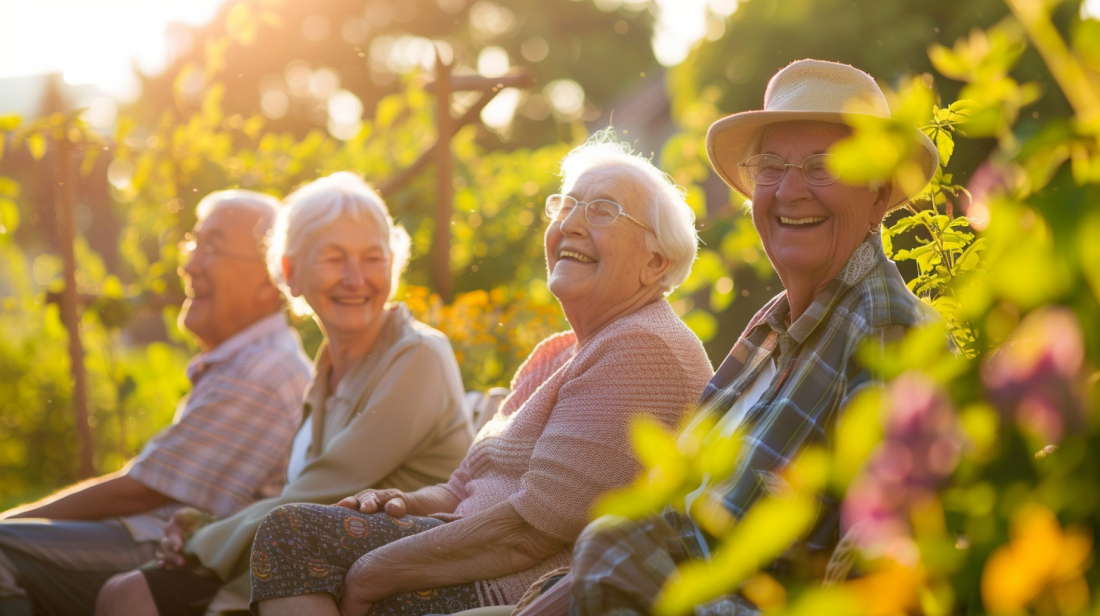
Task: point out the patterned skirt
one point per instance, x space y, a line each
303 548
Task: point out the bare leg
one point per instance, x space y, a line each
126 594
317 604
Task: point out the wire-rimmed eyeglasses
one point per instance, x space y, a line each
598 213
190 248
769 169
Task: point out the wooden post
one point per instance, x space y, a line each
64 201
445 83
444 169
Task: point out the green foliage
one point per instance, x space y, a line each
133 391
880 149
983 61
675 465
758 538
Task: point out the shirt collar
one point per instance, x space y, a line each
267 326
865 258
398 317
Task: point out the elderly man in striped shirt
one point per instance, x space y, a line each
226 448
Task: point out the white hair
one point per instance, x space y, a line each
265 206
313 208
673 222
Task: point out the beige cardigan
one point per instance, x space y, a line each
397 422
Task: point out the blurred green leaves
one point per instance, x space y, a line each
9 209
765 532
880 149
858 432
983 61
674 466
883 148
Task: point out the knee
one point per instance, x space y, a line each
291 514
125 594
283 517
286 512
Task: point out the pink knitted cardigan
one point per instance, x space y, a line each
560 440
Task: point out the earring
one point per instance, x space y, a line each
876 229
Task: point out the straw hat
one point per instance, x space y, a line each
810 90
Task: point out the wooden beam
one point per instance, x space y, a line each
515 78
393 184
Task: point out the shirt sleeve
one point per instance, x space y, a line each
585 449
232 436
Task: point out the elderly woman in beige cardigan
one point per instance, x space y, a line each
620 238
384 410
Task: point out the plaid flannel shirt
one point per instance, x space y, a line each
816 375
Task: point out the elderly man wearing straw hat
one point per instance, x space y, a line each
793 369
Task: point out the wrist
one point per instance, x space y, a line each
201 521
431 499
414 503
365 576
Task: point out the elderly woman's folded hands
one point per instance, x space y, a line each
425 501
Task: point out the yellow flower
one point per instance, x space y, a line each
1039 556
765 592
892 590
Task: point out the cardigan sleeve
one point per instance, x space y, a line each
585 449
414 411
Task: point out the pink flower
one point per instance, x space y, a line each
921 446
1035 377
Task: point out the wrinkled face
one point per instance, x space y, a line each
810 231
225 278
594 268
344 276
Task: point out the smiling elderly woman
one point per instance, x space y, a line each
384 409
620 238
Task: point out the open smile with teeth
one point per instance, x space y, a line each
569 254
800 222
350 301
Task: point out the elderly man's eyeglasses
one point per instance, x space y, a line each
598 213
190 248
769 169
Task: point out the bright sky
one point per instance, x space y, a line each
92 40
95 41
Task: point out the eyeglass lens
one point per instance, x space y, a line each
768 169
599 212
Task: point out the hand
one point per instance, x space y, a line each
393 502
355 601
180 527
